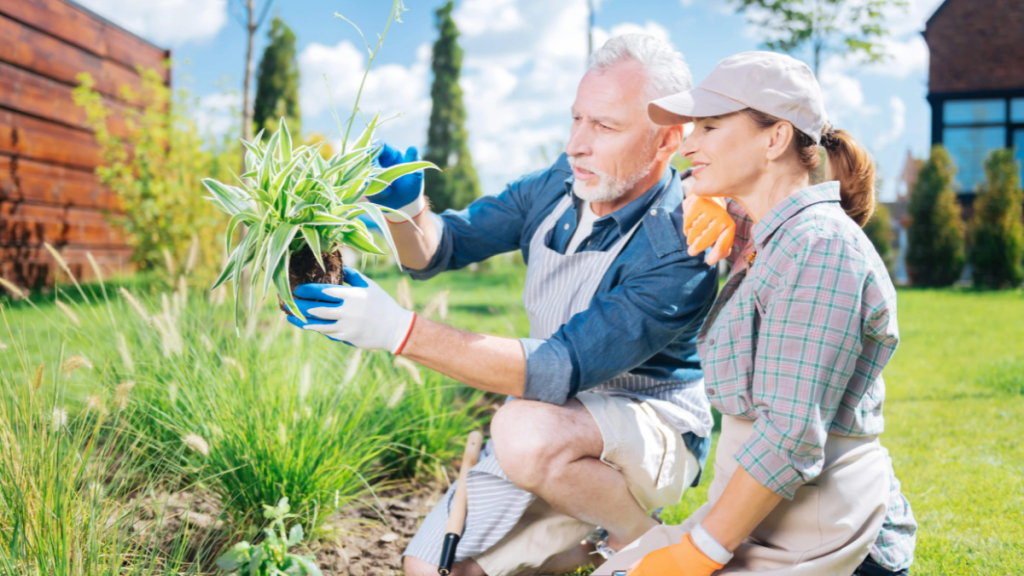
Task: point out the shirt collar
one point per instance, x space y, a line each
627 216
791 206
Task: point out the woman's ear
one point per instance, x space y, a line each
779 137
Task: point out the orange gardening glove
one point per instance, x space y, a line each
683 559
706 223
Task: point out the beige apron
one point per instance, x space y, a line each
826 529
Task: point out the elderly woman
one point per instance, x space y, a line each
794 347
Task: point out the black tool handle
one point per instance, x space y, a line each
451 542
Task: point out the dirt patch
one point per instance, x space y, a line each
361 540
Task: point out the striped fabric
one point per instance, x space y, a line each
557 287
797 341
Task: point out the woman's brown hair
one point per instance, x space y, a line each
848 162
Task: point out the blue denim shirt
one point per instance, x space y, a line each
646 313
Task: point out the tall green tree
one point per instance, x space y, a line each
997 235
843 27
456 185
277 82
935 238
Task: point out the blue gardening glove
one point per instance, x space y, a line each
406 193
360 314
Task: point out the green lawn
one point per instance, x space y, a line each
955 406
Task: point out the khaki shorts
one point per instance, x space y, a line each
639 443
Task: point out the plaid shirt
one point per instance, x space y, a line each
797 341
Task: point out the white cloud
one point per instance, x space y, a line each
897 124
390 89
475 17
218 113
165 22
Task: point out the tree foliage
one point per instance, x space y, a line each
277 82
935 238
155 166
843 27
879 230
447 139
997 235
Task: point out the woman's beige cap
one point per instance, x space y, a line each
772 83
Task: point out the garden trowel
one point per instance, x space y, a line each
457 512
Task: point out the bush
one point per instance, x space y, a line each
997 235
935 239
155 167
879 230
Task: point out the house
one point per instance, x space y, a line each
976 84
49 191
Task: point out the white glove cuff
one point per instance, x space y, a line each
412 209
709 545
402 336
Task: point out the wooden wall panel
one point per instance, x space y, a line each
30 137
76 26
23 224
23 180
33 50
40 96
49 191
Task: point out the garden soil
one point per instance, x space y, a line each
366 539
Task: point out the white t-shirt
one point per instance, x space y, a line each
583 229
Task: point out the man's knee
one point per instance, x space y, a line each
533 440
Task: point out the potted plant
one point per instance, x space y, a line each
299 209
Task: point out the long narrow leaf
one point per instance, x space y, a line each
313 241
367 134
279 242
385 178
285 145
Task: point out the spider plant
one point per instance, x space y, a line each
298 209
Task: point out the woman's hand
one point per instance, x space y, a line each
683 559
707 223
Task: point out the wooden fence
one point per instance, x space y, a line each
49 191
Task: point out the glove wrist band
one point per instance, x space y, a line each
405 340
710 546
412 210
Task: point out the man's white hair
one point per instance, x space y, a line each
667 72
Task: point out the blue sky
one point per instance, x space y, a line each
523 59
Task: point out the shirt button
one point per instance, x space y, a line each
711 391
711 342
654 212
567 226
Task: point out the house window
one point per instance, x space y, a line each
972 128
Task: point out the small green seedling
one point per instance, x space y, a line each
271 557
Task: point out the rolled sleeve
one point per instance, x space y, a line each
442 255
549 370
810 339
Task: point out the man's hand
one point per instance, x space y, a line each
406 193
707 223
361 314
683 559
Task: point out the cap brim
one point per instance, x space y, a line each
685 106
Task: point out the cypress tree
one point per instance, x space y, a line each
277 82
997 235
935 238
447 140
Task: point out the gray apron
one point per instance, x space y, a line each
558 286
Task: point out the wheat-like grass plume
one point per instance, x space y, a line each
136 305
197 443
410 367
13 289
126 354
68 312
404 295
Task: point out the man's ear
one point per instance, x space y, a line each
779 138
670 141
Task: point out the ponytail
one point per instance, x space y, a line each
848 162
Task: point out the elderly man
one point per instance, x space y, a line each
611 419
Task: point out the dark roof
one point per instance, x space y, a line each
936 13
112 24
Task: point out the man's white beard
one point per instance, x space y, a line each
608 187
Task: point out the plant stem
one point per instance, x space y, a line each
395 7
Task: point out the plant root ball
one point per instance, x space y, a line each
304 269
